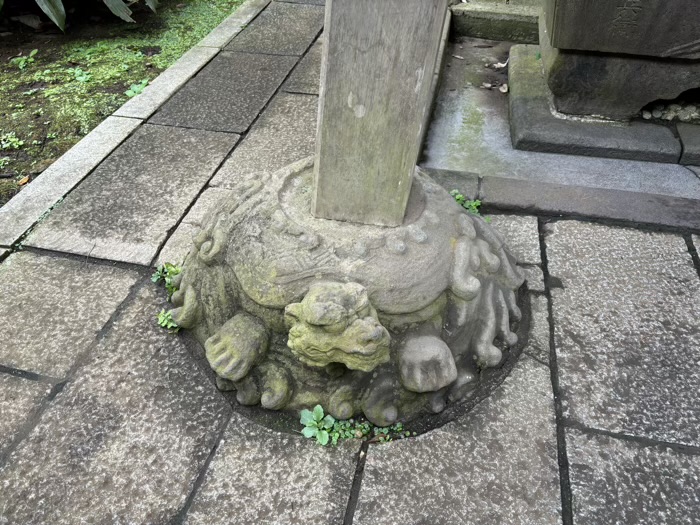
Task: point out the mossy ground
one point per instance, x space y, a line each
78 79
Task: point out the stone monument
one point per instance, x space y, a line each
601 66
613 58
351 279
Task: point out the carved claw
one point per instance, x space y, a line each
237 346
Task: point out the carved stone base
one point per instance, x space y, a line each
295 311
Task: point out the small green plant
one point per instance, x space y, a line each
80 75
166 273
317 425
165 320
10 141
51 136
23 61
4 162
472 206
135 89
325 429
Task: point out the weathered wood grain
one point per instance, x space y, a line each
378 66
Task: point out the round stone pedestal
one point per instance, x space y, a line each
295 311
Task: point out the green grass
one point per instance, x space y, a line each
75 81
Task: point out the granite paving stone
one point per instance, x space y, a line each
538 342
618 481
627 337
124 210
52 309
19 400
495 465
316 2
28 206
306 77
228 94
265 477
281 29
521 235
231 26
168 82
126 439
285 133
534 277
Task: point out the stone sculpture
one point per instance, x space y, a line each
295 310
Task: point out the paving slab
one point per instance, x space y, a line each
126 439
285 133
521 235
534 277
108 217
534 127
167 83
265 477
19 401
180 242
281 29
538 341
52 309
495 465
228 94
470 133
617 481
315 2
306 77
29 205
626 330
231 26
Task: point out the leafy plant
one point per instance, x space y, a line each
325 429
166 273
4 161
80 75
135 89
23 61
165 320
472 206
10 141
316 425
56 12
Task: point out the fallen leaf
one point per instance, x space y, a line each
503 88
500 65
457 56
486 85
23 181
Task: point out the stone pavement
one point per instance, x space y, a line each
107 418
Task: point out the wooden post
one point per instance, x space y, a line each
378 63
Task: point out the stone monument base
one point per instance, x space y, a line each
391 322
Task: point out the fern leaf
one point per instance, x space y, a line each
153 4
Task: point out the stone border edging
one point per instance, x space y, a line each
30 205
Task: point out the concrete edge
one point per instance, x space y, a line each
26 208
188 65
534 128
530 197
689 135
493 23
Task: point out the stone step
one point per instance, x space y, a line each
515 21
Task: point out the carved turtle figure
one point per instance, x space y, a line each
294 310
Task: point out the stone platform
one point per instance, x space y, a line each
108 418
